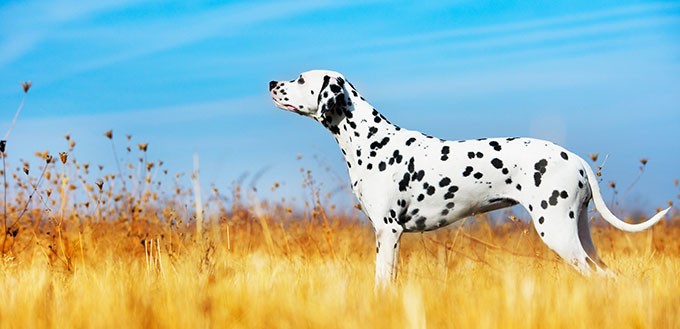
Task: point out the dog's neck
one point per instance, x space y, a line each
359 130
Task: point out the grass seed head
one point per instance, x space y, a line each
109 134
26 85
643 161
593 156
63 156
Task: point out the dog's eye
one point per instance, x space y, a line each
301 80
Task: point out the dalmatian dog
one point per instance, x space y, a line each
407 181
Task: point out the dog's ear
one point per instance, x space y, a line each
332 96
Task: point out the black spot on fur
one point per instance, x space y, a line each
420 223
541 165
544 204
519 187
537 179
410 140
403 184
540 220
564 156
468 171
430 190
495 145
478 175
372 131
445 181
553 198
564 195
571 214
497 163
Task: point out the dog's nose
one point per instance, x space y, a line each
272 85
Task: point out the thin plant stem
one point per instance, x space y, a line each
4 184
30 197
16 115
3 143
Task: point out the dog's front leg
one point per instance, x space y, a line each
388 241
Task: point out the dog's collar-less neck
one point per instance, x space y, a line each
358 128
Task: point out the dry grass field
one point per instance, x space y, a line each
127 251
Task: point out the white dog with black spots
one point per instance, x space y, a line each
407 181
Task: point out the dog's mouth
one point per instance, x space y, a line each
285 106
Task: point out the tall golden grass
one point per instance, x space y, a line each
87 249
124 252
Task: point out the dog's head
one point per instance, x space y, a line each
312 94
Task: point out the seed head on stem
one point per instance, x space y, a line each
26 85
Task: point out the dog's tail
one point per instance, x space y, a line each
607 215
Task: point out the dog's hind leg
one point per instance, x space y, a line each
587 241
561 234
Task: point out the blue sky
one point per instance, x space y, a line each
594 76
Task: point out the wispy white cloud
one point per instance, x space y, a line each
149 36
553 36
542 40
23 25
582 19
155 36
613 66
